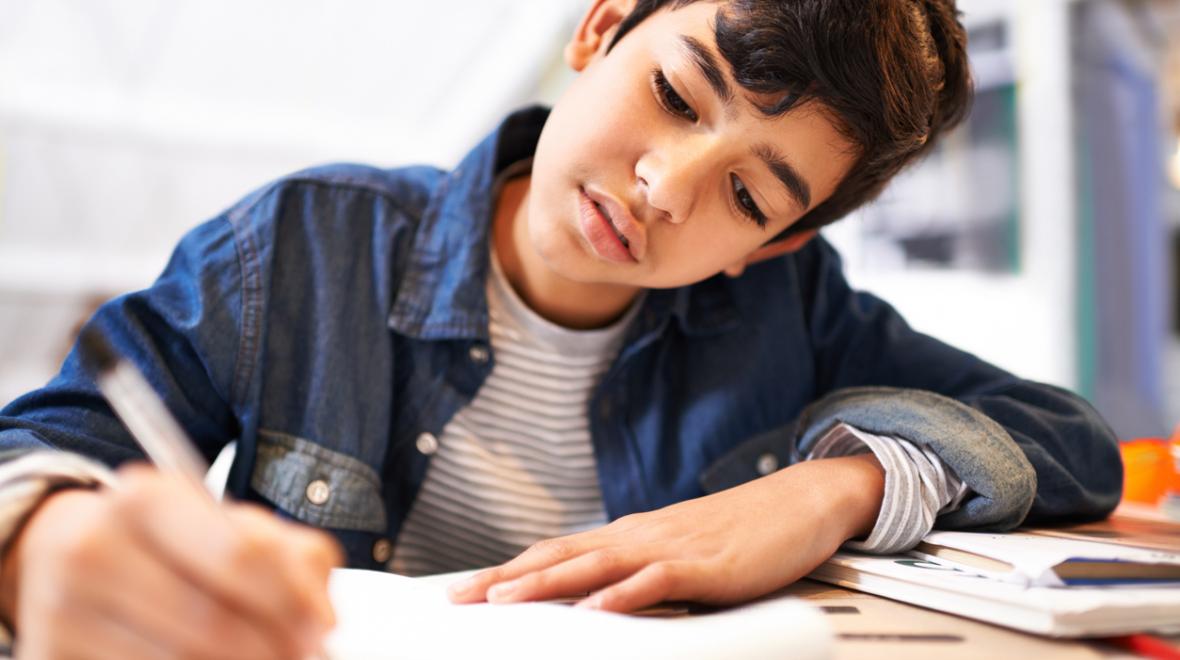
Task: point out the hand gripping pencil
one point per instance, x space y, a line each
144 414
141 410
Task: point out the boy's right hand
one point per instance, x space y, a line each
157 569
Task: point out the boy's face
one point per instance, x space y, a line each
644 176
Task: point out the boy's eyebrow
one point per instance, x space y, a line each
786 173
707 65
779 166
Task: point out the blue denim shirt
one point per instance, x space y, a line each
330 319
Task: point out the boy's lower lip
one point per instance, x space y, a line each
600 233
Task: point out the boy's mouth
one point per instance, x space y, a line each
623 239
617 223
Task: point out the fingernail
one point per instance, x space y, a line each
462 587
502 591
590 603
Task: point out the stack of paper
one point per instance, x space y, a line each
1007 589
1035 560
381 615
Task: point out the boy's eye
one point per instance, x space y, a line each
745 201
676 105
671 101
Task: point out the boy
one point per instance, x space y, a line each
615 311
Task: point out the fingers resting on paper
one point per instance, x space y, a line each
723 548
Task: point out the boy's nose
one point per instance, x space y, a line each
674 179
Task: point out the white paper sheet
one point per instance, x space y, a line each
381 615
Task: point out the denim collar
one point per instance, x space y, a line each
442 294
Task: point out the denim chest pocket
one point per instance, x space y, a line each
316 485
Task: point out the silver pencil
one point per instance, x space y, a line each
140 409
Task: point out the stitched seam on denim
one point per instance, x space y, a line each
250 290
250 285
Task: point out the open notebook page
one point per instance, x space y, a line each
381 615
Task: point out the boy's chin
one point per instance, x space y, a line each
587 270
573 262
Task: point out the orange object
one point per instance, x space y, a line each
1174 484
1149 470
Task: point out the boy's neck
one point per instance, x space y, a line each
568 303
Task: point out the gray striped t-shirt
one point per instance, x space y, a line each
516 465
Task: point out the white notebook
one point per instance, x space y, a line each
1061 612
1039 561
381 615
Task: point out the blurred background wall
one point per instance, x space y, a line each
1042 236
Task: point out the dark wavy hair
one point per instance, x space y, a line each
892 74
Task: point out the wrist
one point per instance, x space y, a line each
13 554
854 488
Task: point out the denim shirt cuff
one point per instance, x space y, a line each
1001 478
978 449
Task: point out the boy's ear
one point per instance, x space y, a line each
595 30
778 248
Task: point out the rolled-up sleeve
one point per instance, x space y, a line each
918 487
1027 451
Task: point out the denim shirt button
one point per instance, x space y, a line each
427 443
478 354
382 551
318 491
767 463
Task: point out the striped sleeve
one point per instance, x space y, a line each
26 481
918 487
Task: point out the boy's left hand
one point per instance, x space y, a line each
723 548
